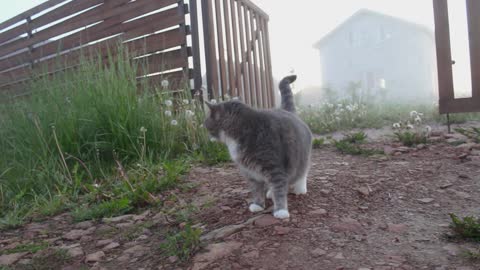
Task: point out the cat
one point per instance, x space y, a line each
270 147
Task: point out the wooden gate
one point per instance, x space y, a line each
448 103
237 51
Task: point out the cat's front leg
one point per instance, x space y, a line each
279 189
258 195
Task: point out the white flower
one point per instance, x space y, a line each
213 101
418 120
168 113
235 98
96 185
212 139
413 114
396 125
201 125
143 129
409 126
186 101
168 102
174 122
227 97
428 129
164 83
189 113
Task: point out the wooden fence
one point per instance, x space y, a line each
237 51
448 103
57 34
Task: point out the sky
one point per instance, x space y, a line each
296 25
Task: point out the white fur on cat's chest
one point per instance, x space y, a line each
235 154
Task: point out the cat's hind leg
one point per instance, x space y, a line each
300 186
279 189
258 195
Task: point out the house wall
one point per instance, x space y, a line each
371 48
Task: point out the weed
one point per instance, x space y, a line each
351 144
49 259
466 228
409 138
183 244
472 133
31 248
318 142
472 255
411 132
357 137
104 209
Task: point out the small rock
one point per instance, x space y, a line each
101 243
136 251
223 232
84 225
318 212
75 252
112 245
318 252
339 256
173 259
461 194
446 185
388 150
421 146
95 257
363 190
452 249
74 234
397 228
463 176
466 146
325 191
215 252
426 200
9 259
124 225
266 220
252 254
117 219
281 230
160 218
142 237
347 225
141 216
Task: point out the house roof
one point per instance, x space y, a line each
366 12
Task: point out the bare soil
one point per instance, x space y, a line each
381 212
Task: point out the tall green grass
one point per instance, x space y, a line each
76 128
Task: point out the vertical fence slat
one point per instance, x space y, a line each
238 74
197 65
254 43
221 48
228 36
210 49
246 86
269 63
248 39
264 87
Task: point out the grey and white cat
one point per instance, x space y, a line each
271 147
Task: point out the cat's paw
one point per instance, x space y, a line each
269 194
299 189
281 214
255 208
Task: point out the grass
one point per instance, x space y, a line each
88 141
352 144
410 138
182 244
318 142
50 259
31 248
467 228
472 133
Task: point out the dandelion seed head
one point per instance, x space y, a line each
174 122
168 113
164 83
168 102
143 129
213 101
186 101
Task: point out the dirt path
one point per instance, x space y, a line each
360 213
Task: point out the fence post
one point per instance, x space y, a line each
209 41
197 65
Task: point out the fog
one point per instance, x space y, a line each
296 26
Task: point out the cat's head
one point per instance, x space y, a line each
222 116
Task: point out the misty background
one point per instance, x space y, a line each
296 27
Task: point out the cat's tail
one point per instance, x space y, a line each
287 95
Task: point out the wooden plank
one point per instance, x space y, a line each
89 17
444 57
164 19
151 44
258 89
197 64
251 79
238 74
177 80
246 85
250 5
209 44
228 37
269 63
221 48
473 12
161 62
49 17
461 105
263 80
30 12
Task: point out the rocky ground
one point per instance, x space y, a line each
380 212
